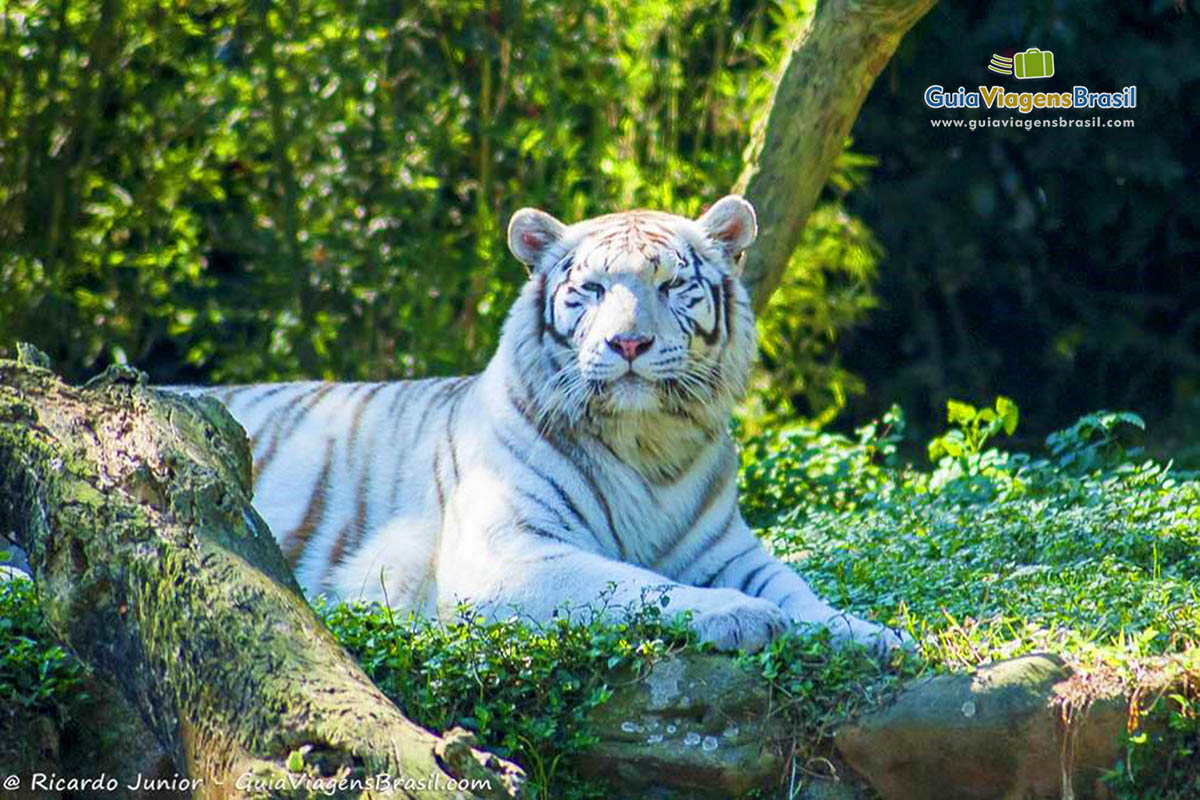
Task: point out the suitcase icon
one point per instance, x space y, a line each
1033 63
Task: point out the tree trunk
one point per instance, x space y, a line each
150 563
824 82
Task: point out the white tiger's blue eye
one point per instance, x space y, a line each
674 283
594 288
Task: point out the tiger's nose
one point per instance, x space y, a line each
630 345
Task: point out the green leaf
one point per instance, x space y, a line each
959 413
1009 412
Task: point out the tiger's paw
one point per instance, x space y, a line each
739 623
878 639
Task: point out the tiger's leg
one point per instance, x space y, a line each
741 562
539 577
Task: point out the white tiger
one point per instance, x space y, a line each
589 460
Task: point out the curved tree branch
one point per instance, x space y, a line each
824 82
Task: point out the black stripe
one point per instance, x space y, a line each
308 400
402 389
355 416
786 597
393 424
447 386
763 587
541 306
711 337
274 390
713 490
522 408
558 489
523 527
437 481
727 286
296 541
552 329
276 415
540 531
712 579
541 504
746 580
708 542
451 416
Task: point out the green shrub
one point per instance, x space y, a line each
526 689
224 191
36 674
1091 551
988 553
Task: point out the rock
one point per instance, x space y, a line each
997 733
697 726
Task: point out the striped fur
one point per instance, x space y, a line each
566 471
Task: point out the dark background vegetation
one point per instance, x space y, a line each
233 191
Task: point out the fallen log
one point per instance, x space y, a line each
133 506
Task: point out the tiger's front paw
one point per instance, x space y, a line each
739 623
880 640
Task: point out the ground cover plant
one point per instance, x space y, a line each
1091 551
1088 549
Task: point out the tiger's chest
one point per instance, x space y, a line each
653 510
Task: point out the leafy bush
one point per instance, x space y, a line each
990 553
36 674
226 191
526 689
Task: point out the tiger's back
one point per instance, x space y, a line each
336 464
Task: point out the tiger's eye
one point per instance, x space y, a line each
594 288
674 283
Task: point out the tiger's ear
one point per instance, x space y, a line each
731 224
531 233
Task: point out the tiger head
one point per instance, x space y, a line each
637 314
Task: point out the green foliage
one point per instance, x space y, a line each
973 427
1093 443
827 289
818 686
1162 760
965 552
227 191
1090 552
526 689
36 674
